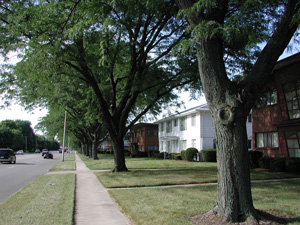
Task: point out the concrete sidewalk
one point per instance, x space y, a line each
93 204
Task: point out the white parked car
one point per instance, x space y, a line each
20 152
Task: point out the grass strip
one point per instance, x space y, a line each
46 200
176 205
106 162
68 164
204 174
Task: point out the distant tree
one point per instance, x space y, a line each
227 36
6 137
17 134
27 134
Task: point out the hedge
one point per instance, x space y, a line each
175 156
190 154
264 162
209 155
292 165
183 154
254 156
277 165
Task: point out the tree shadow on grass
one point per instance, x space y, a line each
277 218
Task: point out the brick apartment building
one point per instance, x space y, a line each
143 138
276 119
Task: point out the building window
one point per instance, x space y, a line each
169 126
183 123
175 123
249 144
183 145
250 118
292 97
193 120
268 98
152 132
293 143
142 133
152 148
267 140
194 143
162 127
169 146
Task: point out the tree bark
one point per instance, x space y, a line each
229 117
119 155
234 188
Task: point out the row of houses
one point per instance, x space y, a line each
273 127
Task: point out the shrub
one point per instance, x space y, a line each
264 162
254 157
209 155
175 156
183 154
153 153
292 165
190 154
277 165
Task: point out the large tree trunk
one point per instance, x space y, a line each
229 116
234 187
119 155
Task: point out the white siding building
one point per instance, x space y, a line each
190 128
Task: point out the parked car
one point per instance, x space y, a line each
48 155
20 152
7 155
44 151
37 151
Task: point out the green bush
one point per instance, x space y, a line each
277 165
209 155
175 156
292 165
264 162
190 154
183 154
254 157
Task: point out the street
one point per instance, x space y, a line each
14 177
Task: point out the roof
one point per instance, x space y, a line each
143 125
287 61
200 108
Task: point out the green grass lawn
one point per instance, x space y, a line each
47 200
152 172
68 164
176 205
106 162
54 194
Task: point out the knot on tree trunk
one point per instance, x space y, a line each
225 115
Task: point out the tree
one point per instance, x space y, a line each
121 49
17 134
226 32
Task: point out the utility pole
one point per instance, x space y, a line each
25 143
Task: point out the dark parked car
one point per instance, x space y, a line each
44 151
7 155
37 151
48 155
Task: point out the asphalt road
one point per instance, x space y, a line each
14 177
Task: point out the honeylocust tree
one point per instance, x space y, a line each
227 35
121 49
